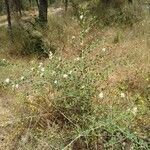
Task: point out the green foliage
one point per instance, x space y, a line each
34 44
111 13
64 97
3 63
78 102
1 7
30 41
76 91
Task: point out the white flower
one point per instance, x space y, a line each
77 59
17 86
24 139
101 95
43 69
65 76
103 49
81 43
81 17
73 37
40 64
13 86
7 80
59 58
55 81
122 95
50 55
123 143
134 110
53 72
42 74
32 69
58 66
32 62
70 72
22 78
83 86
4 59
87 30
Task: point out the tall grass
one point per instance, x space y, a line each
91 94
72 100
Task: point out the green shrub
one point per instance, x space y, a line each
66 96
30 41
34 44
114 13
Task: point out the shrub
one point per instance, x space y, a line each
67 97
30 41
34 44
117 12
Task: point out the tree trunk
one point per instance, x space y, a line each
8 15
9 19
30 3
130 1
66 5
43 6
17 6
106 2
37 2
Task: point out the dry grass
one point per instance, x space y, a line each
116 61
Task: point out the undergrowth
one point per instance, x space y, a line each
91 93
68 99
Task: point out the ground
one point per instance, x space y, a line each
119 55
